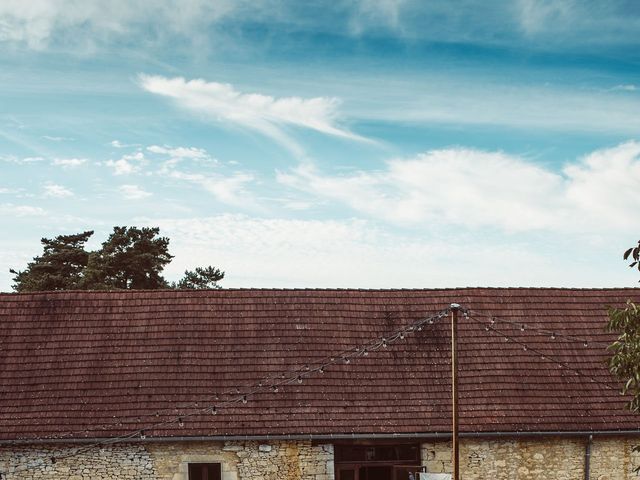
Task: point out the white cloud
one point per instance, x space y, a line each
119 144
69 162
487 189
626 88
180 152
275 252
127 164
56 139
133 192
37 23
20 160
536 15
12 210
229 189
376 13
56 191
262 113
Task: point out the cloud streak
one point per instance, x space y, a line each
477 189
277 252
53 190
133 192
265 114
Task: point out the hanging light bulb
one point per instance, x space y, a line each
347 360
321 370
180 422
365 352
299 379
401 335
553 336
493 321
524 347
586 344
275 389
522 328
486 328
214 410
420 327
430 321
143 435
384 343
244 399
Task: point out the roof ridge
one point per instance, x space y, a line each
317 289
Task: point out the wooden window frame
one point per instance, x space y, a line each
215 466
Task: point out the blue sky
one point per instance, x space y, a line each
364 143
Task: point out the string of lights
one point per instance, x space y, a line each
216 403
488 327
527 327
242 394
273 382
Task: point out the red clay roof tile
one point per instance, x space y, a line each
103 363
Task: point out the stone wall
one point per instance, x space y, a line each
169 461
543 459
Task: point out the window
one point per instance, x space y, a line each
205 471
377 461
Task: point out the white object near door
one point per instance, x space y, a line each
435 476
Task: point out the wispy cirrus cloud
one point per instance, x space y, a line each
195 166
265 114
179 152
92 23
20 160
478 189
280 252
53 190
12 210
68 162
133 192
629 87
56 139
127 164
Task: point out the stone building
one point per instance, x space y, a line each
310 385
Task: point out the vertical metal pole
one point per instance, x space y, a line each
455 454
587 459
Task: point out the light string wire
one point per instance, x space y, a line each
275 381
242 394
540 353
527 327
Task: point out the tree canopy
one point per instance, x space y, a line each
131 258
625 360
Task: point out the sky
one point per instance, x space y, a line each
360 144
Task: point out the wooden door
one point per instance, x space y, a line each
347 472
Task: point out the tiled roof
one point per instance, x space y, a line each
103 363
